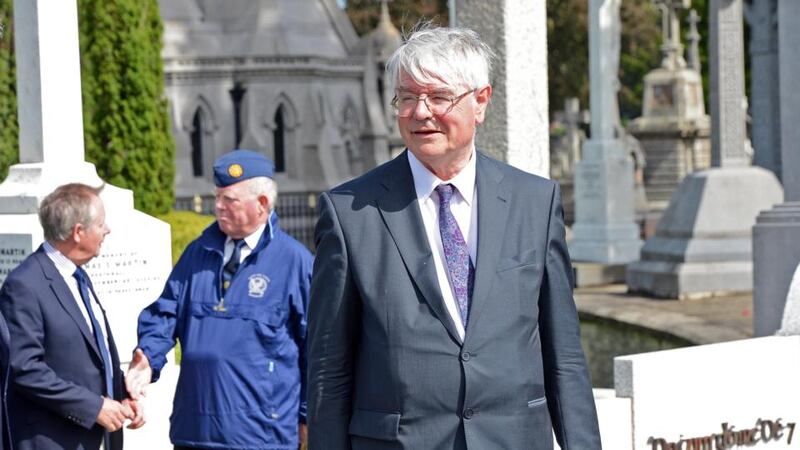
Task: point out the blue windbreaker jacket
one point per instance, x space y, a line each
242 379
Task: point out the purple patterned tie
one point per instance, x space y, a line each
462 274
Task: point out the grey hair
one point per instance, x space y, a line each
456 56
264 186
66 207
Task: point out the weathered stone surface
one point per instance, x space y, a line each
516 128
604 230
776 246
702 246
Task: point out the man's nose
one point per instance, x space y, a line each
421 110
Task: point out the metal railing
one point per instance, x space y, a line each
297 212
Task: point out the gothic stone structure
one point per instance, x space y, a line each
287 78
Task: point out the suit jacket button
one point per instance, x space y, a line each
468 413
465 356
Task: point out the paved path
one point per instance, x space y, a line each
701 321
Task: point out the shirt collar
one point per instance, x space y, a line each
425 181
63 264
251 240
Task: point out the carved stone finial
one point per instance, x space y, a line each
672 48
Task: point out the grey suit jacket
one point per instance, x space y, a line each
386 367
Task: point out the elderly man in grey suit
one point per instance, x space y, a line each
441 312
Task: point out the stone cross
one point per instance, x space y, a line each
671 31
726 70
574 118
693 36
49 100
604 50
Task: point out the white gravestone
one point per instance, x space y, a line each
739 394
604 230
136 256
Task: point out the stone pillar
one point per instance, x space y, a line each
776 245
604 230
764 101
516 129
702 246
135 259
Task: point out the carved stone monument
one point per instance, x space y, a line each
565 151
604 230
674 127
135 259
703 245
776 246
516 127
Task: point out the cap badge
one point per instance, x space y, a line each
235 170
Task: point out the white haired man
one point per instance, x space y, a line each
441 312
236 300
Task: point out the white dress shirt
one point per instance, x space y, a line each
464 206
250 243
66 269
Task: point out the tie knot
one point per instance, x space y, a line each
445 192
80 275
238 243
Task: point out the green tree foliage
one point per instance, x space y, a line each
364 14
9 153
568 52
126 125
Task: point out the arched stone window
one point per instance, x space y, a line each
279 140
196 137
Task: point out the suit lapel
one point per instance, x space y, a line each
65 297
493 208
400 211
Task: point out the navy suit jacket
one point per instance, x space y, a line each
5 342
57 381
387 369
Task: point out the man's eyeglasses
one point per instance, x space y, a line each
405 103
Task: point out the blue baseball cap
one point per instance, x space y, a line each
240 165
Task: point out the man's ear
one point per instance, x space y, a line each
263 202
482 97
77 232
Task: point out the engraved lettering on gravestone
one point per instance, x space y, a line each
122 273
591 181
13 249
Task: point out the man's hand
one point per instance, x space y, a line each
138 411
113 414
139 375
302 434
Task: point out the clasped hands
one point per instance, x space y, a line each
113 414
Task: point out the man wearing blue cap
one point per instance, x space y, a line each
237 301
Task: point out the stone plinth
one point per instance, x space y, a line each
702 246
674 132
604 229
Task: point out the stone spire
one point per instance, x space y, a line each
385 38
693 36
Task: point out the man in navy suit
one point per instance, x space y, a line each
441 313
66 389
